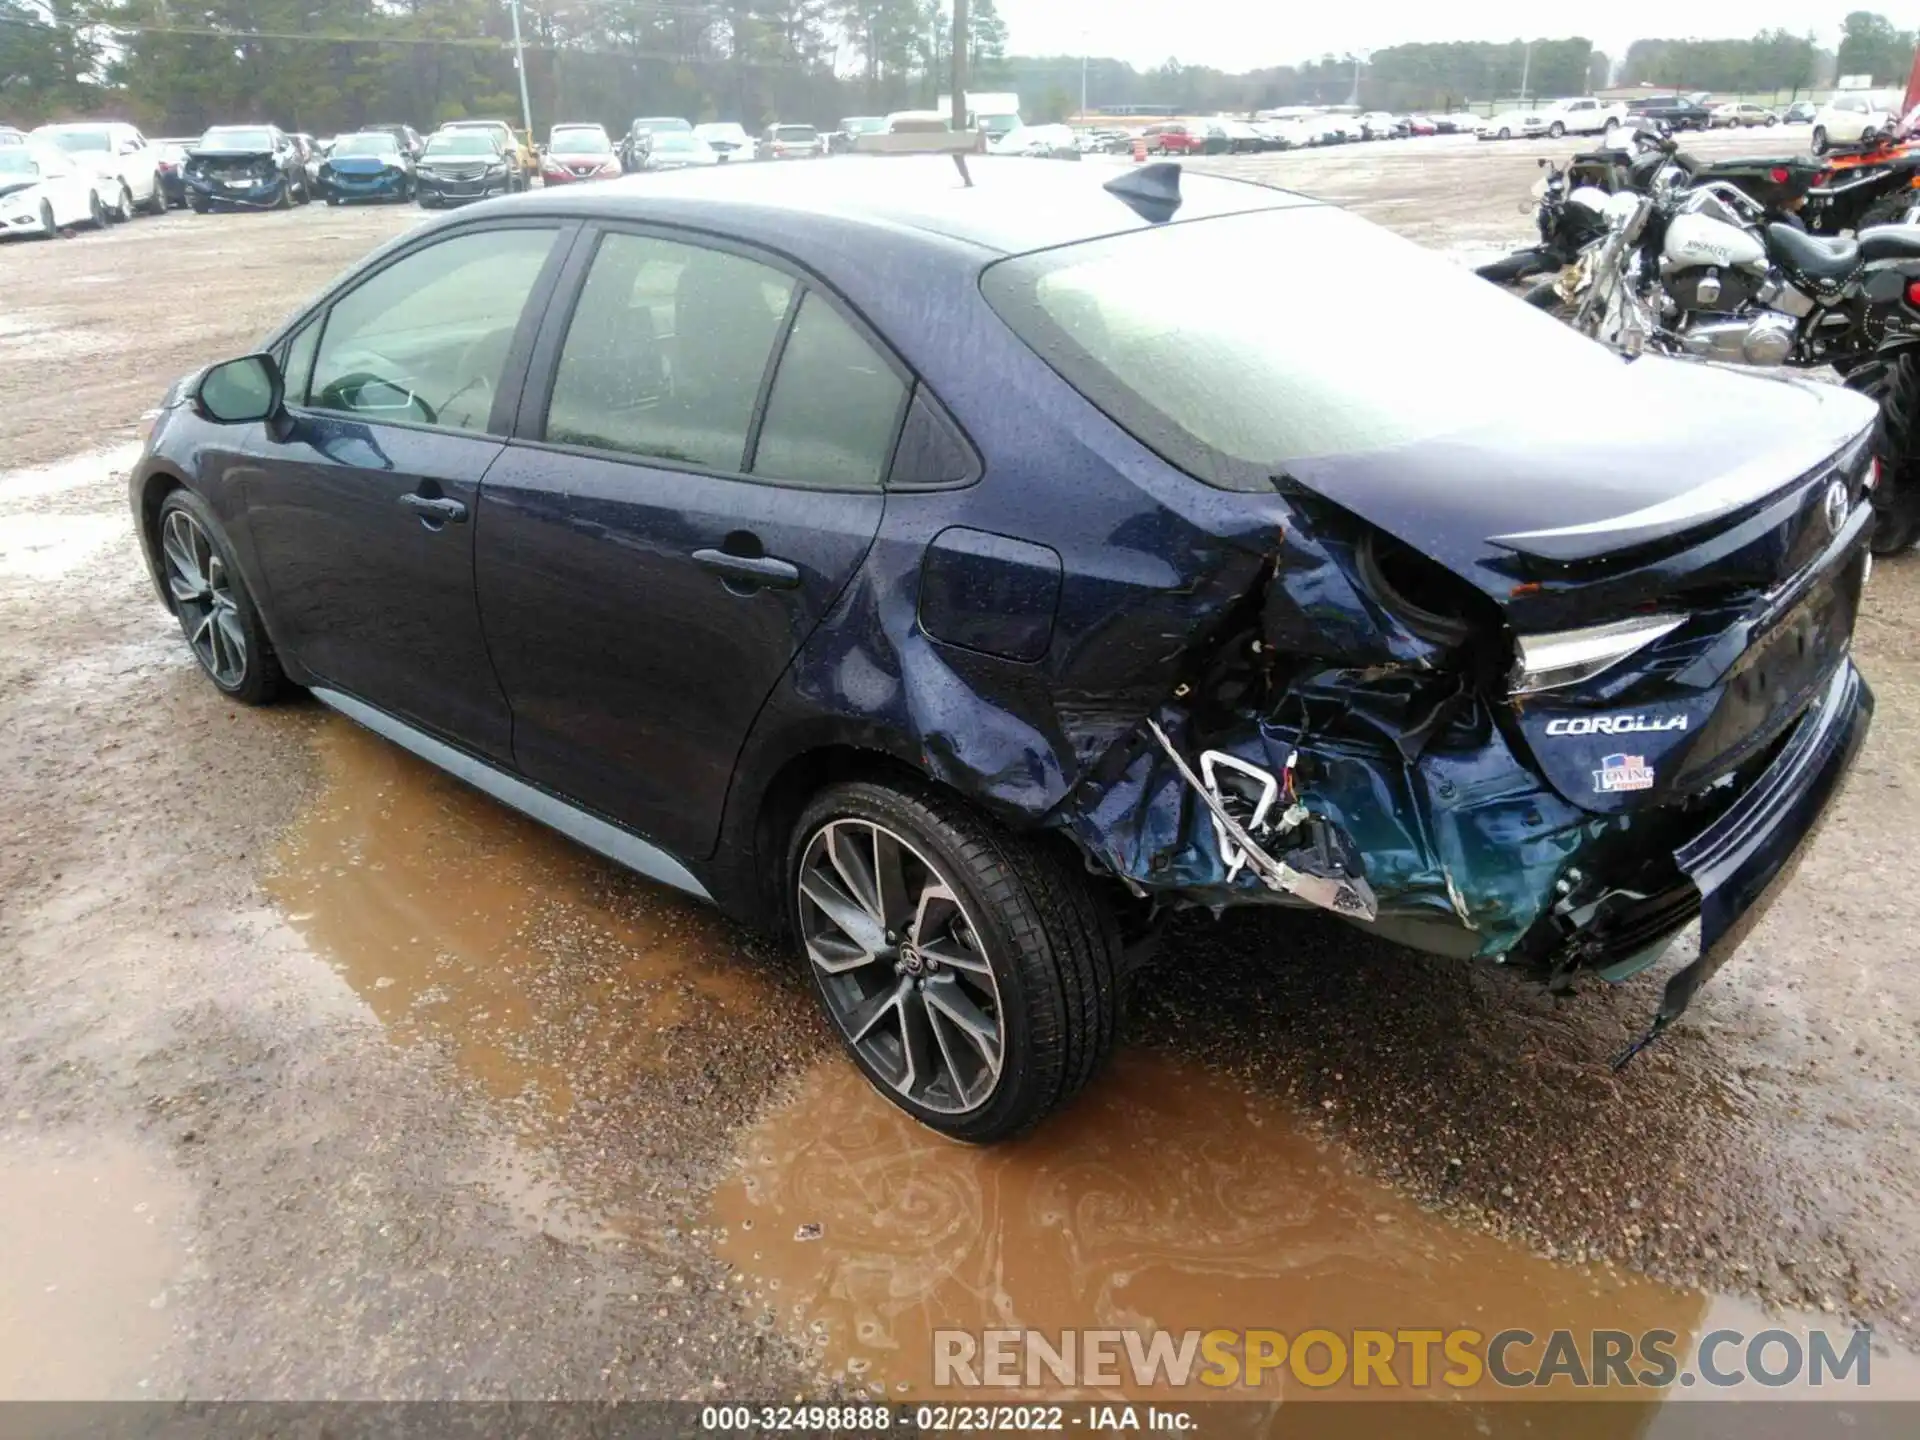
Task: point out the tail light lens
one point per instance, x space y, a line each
1913 293
1545 662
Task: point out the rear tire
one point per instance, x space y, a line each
1819 139
1896 500
1889 210
1001 928
96 210
1556 130
157 201
48 230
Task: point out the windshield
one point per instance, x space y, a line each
865 125
1234 346
370 144
798 133
472 142
223 137
76 142
581 140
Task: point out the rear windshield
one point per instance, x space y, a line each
795 132
1234 346
462 142
77 142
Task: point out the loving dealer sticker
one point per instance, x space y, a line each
1622 772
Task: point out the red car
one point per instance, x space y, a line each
1175 138
579 152
1421 125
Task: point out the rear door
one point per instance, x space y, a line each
695 477
361 506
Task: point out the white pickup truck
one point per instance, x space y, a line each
116 150
1582 115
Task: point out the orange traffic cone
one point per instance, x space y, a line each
1139 149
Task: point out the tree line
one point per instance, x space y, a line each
177 66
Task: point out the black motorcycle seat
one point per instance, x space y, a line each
1813 255
1890 242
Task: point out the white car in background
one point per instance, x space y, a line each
42 191
728 139
1512 125
113 150
1853 117
1042 142
1581 115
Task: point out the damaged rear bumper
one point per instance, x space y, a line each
1466 850
1740 863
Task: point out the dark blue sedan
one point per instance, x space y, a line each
960 568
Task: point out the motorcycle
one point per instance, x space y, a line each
1704 269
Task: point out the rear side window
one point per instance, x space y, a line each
425 341
835 406
666 351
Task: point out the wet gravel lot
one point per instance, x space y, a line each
323 1076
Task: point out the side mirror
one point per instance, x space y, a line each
239 392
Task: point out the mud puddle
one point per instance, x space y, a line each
89 1248
1163 1200
550 977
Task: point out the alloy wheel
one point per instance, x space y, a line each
123 211
202 593
902 966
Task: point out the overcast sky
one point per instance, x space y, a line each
1248 34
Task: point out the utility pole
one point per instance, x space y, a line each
1526 69
1086 40
520 69
962 23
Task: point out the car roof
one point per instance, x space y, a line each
1011 206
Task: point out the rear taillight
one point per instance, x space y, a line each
1778 174
1913 293
1873 475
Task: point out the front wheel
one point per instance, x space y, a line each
96 210
211 600
122 207
1556 130
1819 139
973 974
1505 133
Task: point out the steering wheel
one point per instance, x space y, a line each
334 397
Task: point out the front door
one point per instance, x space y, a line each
678 518
361 506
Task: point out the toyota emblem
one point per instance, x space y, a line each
1834 507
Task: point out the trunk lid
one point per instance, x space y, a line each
1668 454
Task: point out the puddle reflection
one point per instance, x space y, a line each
543 970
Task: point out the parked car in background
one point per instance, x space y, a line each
1676 112
852 127
244 167
640 133
1580 115
792 142
578 153
1460 122
461 165
1379 125
513 145
1512 125
1741 115
369 165
170 163
112 149
11 136
677 150
1422 126
727 138
42 191
404 136
1175 137
1039 142
1241 138
955 633
1801 112
1854 117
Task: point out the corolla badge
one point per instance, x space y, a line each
1615 724
1623 772
1833 508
